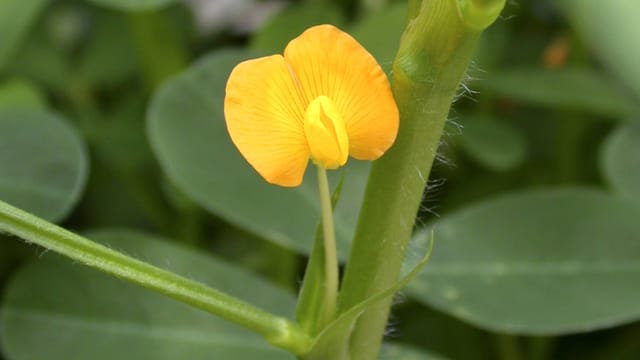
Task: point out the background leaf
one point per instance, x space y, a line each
41 61
537 262
282 28
188 134
494 144
573 89
16 17
393 351
604 26
620 160
110 57
18 93
73 312
133 5
380 31
44 163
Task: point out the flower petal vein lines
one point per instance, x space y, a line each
325 99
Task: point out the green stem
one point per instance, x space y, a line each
331 257
434 53
277 330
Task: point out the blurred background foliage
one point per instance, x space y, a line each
111 119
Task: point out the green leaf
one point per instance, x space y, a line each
19 93
605 26
124 189
16 17
282 28
159 60
575 89
74 312
544 262
493 143
188 134
44 62
380 33
109 57
12 253
491 50
133 5
44 163
394 351
620 160
119 138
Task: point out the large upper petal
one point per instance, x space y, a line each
264 112
328 61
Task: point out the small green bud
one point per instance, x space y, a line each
477 15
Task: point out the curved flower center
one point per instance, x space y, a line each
326 133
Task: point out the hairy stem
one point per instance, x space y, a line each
434 52
277 330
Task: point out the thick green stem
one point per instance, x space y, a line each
277 330
331 254
434 53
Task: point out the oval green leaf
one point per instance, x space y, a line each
537 262
395 351
44 163
188 134
605 26
573 89
16 17
283 27
72 311
620 160
101 63
492 143
133 5
380 33
19 93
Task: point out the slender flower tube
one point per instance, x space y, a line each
326 99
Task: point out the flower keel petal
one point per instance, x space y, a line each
326 134
264 113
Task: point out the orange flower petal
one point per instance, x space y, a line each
327 61
264 114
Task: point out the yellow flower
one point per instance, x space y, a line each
325 99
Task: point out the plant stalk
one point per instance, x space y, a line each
277 330
331 254
436 48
